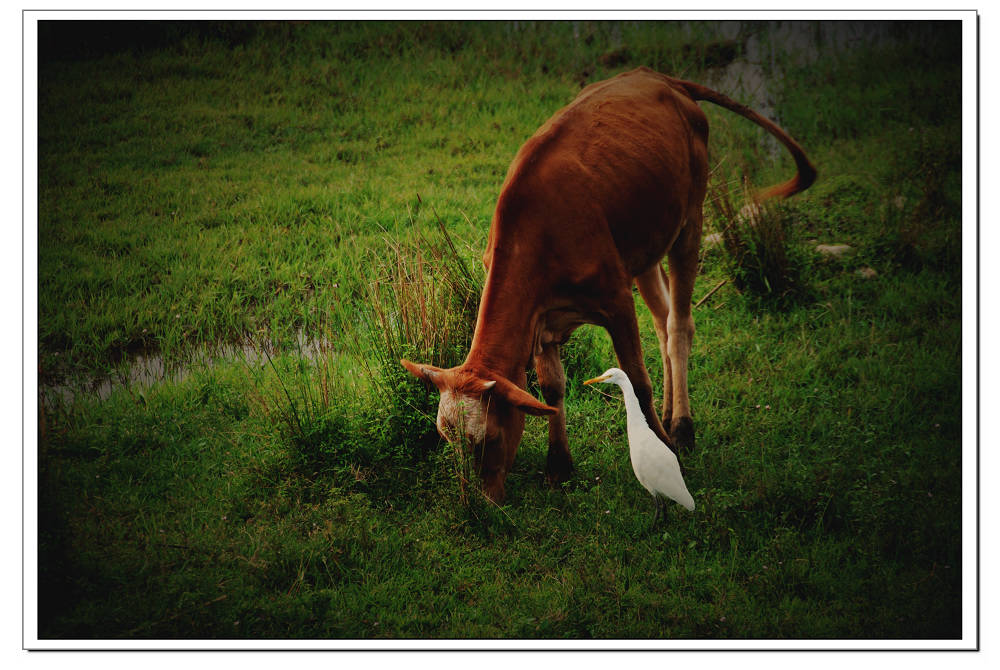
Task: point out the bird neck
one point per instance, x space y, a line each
633 413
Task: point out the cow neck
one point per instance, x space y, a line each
505 326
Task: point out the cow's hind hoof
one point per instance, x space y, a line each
682 434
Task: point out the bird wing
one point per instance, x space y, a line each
661 472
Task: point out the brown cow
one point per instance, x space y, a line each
591 203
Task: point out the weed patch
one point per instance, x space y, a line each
759 256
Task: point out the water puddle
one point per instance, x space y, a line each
140 372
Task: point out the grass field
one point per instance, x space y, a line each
313 198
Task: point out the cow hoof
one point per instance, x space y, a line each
682 434
495 493
558 469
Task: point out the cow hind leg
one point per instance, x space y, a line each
683 260
552 379
653 288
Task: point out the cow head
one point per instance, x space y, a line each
486 415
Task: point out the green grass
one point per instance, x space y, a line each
266 181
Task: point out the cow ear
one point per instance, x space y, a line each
425 372
521 399
484 386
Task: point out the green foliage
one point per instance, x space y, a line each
202 185
587 354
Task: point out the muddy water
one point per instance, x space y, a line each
143 371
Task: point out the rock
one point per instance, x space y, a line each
835 250
867 273
750 213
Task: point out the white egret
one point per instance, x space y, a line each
655 465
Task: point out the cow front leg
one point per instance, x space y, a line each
624 331
493 486
552 379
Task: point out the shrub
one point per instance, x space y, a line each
755 239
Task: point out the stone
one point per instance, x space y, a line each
835 250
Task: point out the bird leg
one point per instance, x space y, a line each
658 503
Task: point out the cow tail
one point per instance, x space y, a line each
806 173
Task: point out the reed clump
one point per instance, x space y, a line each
420 303
756 244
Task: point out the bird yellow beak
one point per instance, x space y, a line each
596 379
